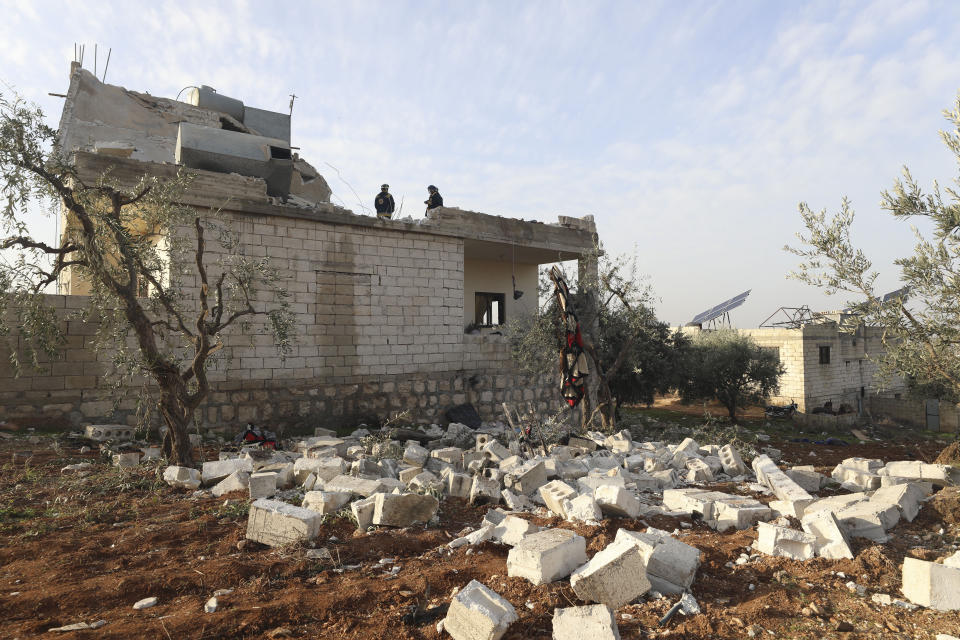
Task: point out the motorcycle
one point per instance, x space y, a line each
776 411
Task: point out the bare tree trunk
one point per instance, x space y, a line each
176 442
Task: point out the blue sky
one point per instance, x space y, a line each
690 130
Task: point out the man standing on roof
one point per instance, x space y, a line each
384 203
435 200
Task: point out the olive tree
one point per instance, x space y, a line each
730 367
135 246
921 326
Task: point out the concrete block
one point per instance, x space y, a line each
236 481
324 468
284 472
484 491
357 486
408 474
931 585
906 497
104 432
785 542
458 485
614 576
262 485
514 529
636 461
326 502
855 478
693 501
126 460
276 523
583 508
478 613
363 512
666 479
868 519
426 481
834 503
643 481
808 479
216 470
475 537
415 455
589 483
450 455
832 541
782 486
182 477
403 510
738 513
939 474
688 446
698 471
526 478
671 565
495 452
554 494
594 622
617 502
547 556
573 470
619 442
515 502
870 465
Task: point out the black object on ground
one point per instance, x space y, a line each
464 414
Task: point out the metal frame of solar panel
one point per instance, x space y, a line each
720 309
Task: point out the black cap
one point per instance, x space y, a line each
384 186
431 188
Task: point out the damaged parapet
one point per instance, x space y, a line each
227 151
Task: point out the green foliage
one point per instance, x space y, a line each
922 329
730 367
633 353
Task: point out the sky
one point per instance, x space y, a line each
689 130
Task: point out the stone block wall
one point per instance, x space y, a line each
913 412
379 315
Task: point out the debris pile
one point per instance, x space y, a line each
399 483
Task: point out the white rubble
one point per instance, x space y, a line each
403 510
236 481
326 502
182 477
262 485
775 540
478 613
593 622
671 565
614 576
276 523
932 585
216 470
547 556
832 541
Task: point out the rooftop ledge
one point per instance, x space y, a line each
567 239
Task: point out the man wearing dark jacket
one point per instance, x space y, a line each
384 203
435 200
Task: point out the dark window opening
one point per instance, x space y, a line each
227 125
824 355
280 153
489 309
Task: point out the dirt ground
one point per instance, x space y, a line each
82 549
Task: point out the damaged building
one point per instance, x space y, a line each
391 315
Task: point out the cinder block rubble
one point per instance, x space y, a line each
594 622
478 613
547 556
671 565
932 585
775 540
403 510
276 523
614 576
182 477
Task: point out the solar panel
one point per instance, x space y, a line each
720 309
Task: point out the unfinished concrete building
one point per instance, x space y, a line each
382 307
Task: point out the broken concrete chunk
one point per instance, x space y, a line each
515 502
415 455
262 485
495 451
514 529
615 576
215 471
458 485
182 477
236 481
363 512
671 565
547 556
126 460
855 478
326 502
619 442
906 497
403 510
805 476
583 508
783 541
357 486
594 622
276 523
832 540
738 513
484 491
868 519
698 471
526 478
931 585
478 613
617 501
782 486
554 493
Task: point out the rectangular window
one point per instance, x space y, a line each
489 310
824 355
